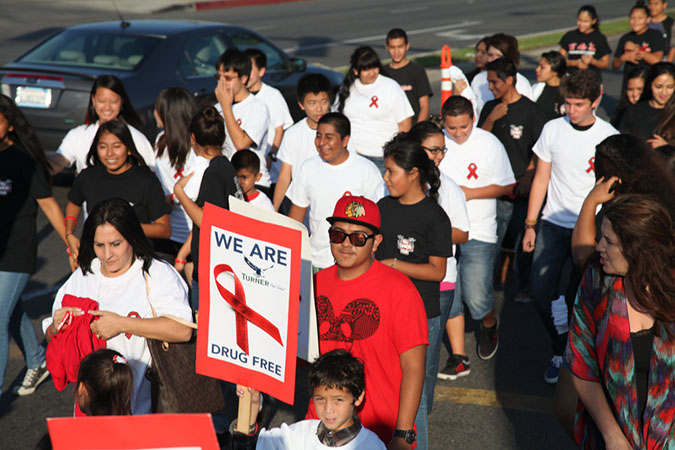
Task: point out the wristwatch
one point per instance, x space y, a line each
408 435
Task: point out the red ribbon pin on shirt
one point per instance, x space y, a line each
373 101
591 165
179 173
472 171
243 314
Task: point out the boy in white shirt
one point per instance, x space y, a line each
247 166
565 174
478 163
337 385
246 117
280 116
324 178
314 92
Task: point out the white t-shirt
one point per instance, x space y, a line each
76 144
320 185
280 116
483 95
302 436
127 296
572 156
261 201
198 166
374 111
452 200
537 89
479 162
253 117
297 146
168 177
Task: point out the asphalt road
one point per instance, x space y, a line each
504 403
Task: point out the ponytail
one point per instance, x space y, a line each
208 127
363 58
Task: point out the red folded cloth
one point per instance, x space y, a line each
72 343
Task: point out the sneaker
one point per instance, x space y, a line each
522 297
457 366
488 341
553 369
32 380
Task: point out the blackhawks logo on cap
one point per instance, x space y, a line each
355 209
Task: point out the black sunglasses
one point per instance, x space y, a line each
434 151
358 238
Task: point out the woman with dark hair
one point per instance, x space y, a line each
416 237
108 100
630 94
117 170
174 110
500 45
621 349
645 117
119 270
550 71
376 106
479 58
24 185
586 47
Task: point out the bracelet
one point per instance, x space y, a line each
68 251
394 263
71 218
530 221
69 234
178 261
529 227
173 198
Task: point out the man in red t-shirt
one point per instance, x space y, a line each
374 312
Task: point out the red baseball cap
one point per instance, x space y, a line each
356 209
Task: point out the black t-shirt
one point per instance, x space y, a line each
413 233
640 120
576 44
218 183
550 103
22 181
649 41
518 130
665 28
413 80
138 186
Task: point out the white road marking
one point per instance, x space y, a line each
459 35
381 37
407 10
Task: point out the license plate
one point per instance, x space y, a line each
33 97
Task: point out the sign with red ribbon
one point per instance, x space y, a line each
249 287
151 431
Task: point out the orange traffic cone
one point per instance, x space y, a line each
446 81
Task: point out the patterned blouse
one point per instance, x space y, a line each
600 350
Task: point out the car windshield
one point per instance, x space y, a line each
96 50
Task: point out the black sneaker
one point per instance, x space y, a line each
457 366
488 341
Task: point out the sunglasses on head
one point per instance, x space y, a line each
358 238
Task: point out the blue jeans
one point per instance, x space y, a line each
379 162
421 419
15 321
552 251
474 279
504 213
194 297
434 349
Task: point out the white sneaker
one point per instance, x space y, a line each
32 380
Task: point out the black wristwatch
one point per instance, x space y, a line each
408 435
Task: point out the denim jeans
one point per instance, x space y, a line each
15 321
421 419
504 213
552 251
194 297
474 279
434 349
379 162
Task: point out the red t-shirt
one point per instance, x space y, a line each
376 317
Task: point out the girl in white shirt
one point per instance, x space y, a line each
119 270
375 105
108 100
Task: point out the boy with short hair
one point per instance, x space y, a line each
247 166
411 76
280 116
337 386
315 95
246 116
565 175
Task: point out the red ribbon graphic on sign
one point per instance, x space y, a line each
373 101
131 314
472 171
179 173
591 165
243 314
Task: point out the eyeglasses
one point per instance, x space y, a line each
435 151
358 238
218 76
